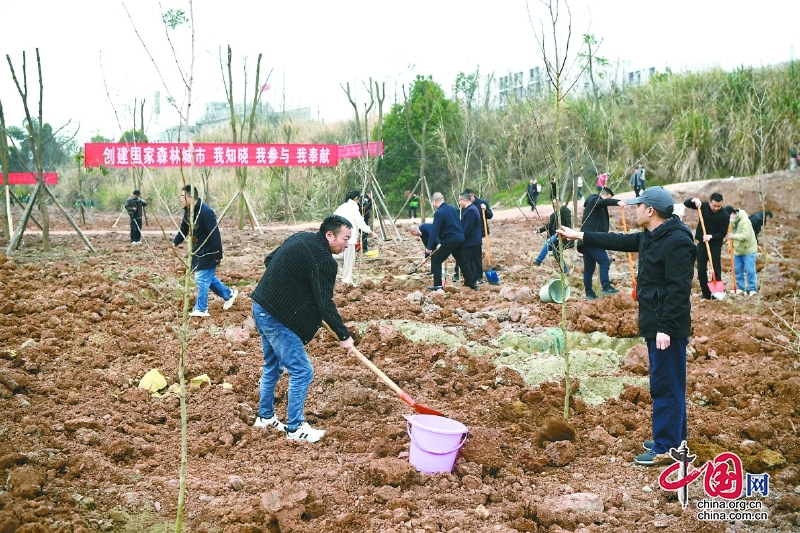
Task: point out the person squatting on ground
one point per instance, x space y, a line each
471 226
745 248
595 218
532 193
135 208
637 180
446 232
551 243
716 221
666 268
206 252
352 212
291 300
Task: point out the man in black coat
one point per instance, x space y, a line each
551 243
447 232
206 252
664 285
758 219
595 218
135 208
293 297
716 228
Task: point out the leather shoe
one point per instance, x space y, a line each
474 286
435 288
609 291
456 278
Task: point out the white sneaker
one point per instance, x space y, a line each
269 423
229 302
195 312
306 433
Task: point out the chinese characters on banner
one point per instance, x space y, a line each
26 178
127 155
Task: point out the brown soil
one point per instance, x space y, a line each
82 449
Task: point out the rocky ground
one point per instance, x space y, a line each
82 448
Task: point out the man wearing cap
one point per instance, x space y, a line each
716 227
663 288
135 207
595 218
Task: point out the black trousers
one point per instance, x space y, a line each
457 251
702 265
136 229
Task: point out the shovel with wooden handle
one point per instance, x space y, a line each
421 409
416 267
630 257
716 286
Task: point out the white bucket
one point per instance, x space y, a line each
553 292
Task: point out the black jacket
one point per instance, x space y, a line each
134 206
297 286
207 247
595 213
664 281
446 227
716 223
488 212
552 224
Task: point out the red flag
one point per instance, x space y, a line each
266 87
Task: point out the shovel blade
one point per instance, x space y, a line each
492 277
421 409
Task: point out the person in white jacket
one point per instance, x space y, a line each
351 210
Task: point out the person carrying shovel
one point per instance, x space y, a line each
716 227
293 297
666 268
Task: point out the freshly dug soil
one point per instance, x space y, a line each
83 449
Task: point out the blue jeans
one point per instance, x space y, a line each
282 349
744 263
551 244
591 258
668 390
205 279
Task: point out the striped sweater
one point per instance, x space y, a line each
297 286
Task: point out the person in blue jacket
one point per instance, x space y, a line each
663 289
447 231
206 252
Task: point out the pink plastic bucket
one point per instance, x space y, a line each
435 441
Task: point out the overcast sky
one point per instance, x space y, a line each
94 65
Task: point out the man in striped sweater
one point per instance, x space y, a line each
292 298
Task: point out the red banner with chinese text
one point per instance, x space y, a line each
154 155
349 151
26 178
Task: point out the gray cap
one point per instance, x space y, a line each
656 197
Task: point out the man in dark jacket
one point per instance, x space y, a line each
447 232
595 218
135 208
293 297
471 226
758 219
366 212
551 243
532 193
666 268
716 227
206 252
